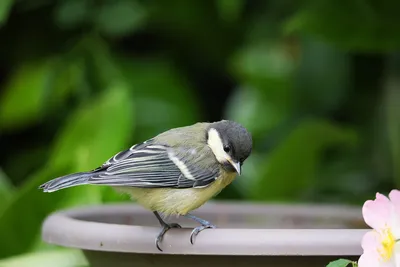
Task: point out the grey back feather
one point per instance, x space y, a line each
175 159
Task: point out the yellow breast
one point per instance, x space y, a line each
171 201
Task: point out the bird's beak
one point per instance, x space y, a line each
237 167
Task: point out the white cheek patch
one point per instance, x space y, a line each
215 143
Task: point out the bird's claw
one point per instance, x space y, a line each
198 229
164 230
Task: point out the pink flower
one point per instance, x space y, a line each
379 245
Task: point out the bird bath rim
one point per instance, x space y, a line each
83 228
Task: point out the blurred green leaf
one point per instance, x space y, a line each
59 257
5 8
109 119
264 98
66 78
94 133
18 235
22 102
391 103
341 263
25 161
71 13
265 65
230 10
119 17
254 109
322 77
163 98
6 190
355 25
250 174
36 88
102 68
291 167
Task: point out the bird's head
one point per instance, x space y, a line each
231 144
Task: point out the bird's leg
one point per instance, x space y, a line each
204 225
165 228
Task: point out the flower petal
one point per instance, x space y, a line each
369 259
390 263
370 241
376 212
394 197
396 255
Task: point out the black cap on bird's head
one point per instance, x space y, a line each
230 142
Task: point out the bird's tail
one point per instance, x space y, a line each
66 181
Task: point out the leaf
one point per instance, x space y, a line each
230 10
297 159
120 17
264 65
392 109
338 22
264 98
94 133
322 77
62 257
159 88
108 119
5 8
256 111
341 263
6 190
69 14
102 66
22 102
66 80
36 88
16 235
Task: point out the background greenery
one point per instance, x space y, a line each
316 82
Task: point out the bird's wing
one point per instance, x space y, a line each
151 165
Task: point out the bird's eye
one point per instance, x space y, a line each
227 149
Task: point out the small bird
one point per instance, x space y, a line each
173 173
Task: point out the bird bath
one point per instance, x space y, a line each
248 234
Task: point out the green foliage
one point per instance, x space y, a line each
254 108
342 263
102 128
81 80
230 10
93 133
50 82
297 159
70 14
323 77
159 89
5 7
264 100
62 257
119 17
6 190
20 106
377 32
393 124
113 18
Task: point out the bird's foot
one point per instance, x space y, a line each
200 228
204 225
164 230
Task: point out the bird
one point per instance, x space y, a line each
173 173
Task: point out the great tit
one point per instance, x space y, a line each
173 173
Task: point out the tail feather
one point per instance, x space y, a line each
66 181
